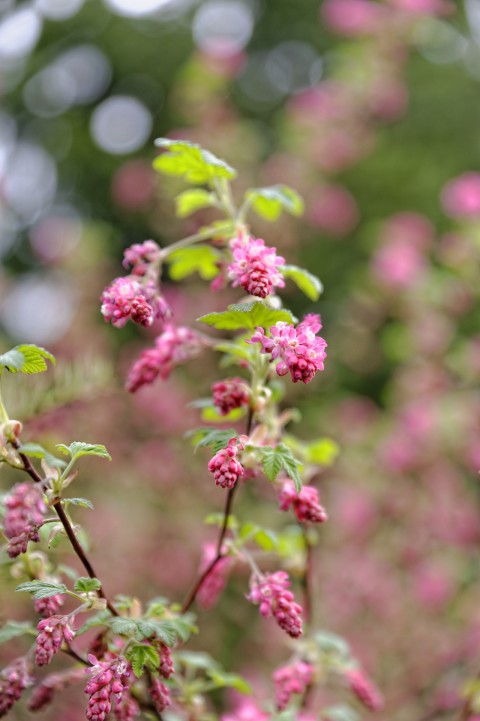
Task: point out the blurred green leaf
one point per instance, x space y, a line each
269 202
223 679
86 584
306 281
13 629
77 449
191 200
190 161
201 259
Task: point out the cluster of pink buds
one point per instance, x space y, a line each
271 592
53 632
300 350
24 515
291 679
175 345
255 266
364 689
109 680
166 667
229 394
160 694
215 582
140 257
13 680
48 606
304 502
224 465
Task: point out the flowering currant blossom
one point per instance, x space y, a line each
53 632
271 592
291 679
125 298
13 680
48 606
109 679
175 345
255 266
160 695
126 709
140 256
364 689
216 580
299 349
43 694
166 667
304 503
229 394
24 515
224 465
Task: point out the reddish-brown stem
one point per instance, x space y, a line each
223 531
65 521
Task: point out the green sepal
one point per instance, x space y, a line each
271 201
26 359
306 281
247 315
190 161
42 589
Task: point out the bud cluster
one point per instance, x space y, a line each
230 394
255 266
13 680
304 503
53 632
289 680
24 515
109 681
224 465
271 593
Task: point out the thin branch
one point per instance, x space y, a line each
307 578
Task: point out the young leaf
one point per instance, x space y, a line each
218 519
26 359
191 200
42 589
307 282
211 415
77 449
189 160
247 315
35 450
12 629
140 656
271 462
280 458
232 680
217 438
290 465
271 201
201 259
82 502
86 584
183 626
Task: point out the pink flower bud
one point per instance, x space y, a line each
53 632
229 394
13 680
255 266
109 679
304 503
160 695
224 465
364 689
272 594
291 680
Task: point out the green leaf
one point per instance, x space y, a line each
26 359
192 200
307 282
201 259
101 618
247 315
280 458
332 644
271 462
215 437
236 351
77 449
183 625
197 660
42 589
223 679
324 451
124 626
189 160
86 584
211 415
140 656
12 629
35 450
271 201
82 502
290 465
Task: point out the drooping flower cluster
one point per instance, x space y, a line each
53 632
255 266
166 667
304 502
24 515
175 345
216 580
229 394
224 465
48 606
109 681
300 350
13 680
364 689
160 694
271 591
291 679
140 256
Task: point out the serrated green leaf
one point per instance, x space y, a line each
13 629
86 584
290 465
272 462
306 281
201 259
141 656
82 502
192 200
269 202
247 315
123 626
223 679
101 618
218 438
42 589
197 660
183 625
35 450
190 161
77 449
26 359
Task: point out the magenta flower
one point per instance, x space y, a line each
125 299
53 632
109 681
291 679
461 196
271 593
229 394
304 503
255 266
364 689
160 695
224 465
24 516
13 680
140 256
299 350
215 582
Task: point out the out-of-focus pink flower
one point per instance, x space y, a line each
43 694
255 266
225 466
271 593
24 515
229 394
160 695
166 667
355 510
364 689
304 502
398 264
133 185
461 196
433 585
332 209
215 582
424 7
352 17
139 256
289 680
247 710
408 227
13 680
388 99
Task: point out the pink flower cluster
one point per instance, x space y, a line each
364 689
53 632
140 256
299 349
44 692
160 695
175 345
216 580
24 515
48 606
224 465
109 680
255 266
461 196
271 592
291 679
13 680
229 394
304 503
166 667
